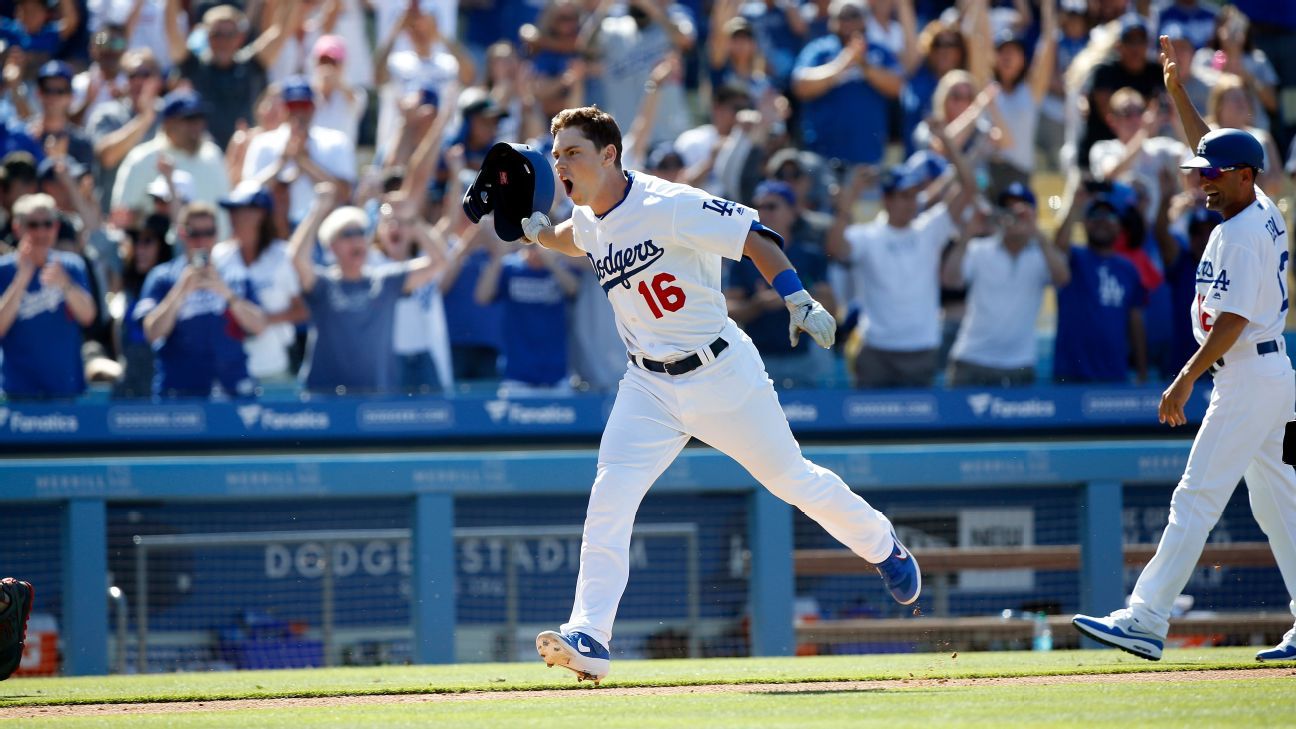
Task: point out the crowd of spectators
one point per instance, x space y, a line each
230 199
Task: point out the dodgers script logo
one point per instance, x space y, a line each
618 267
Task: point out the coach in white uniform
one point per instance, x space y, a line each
656 248
1238 317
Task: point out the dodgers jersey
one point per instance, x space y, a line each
1244 271
657 256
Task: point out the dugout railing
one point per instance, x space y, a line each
429 485
937 630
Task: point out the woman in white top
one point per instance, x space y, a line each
1022 89
255 249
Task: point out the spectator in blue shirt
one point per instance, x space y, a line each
352 304
534 287
44 304
844 84
1100 312
196 316
33 29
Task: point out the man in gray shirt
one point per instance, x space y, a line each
352 304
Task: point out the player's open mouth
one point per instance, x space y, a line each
567 184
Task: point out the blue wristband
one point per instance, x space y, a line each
788 283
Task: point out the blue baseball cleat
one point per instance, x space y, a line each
577 652
1122 630
900 574
1285 651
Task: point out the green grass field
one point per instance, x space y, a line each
913 695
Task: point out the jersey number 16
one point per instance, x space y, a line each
662 295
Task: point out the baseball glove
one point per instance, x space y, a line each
13 623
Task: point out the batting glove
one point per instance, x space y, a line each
532 226
810 316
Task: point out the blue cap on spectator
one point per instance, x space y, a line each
1174 31
664 156
1132 23
1016 191
1118 197
927 163
45 170
183 104
1006 36
899 178
297 90
1202 216
54 69
428 96
247 194
775 187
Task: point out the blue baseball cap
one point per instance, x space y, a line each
1006 36
297 90
183 104
247 194
1202 216
1227 148
1119 197
901 177
1016 191
1133 23
927 163
775 187
54 69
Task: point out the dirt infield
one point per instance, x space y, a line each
82 710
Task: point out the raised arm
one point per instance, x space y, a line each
1194 126
1040 74
837 246
303 239
267 45
176 47
811 83
70 20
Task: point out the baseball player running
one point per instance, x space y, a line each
16 598
1238 318
656 248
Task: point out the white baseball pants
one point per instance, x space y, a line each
729 404
1242 434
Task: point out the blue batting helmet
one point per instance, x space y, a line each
1227 148
515 181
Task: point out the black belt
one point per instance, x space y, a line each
1262 348
682 366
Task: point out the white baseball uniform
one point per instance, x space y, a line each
657 255
1243 271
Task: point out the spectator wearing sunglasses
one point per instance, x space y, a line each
197 315
1100 327
1005 274
54 123
352 303
44 302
